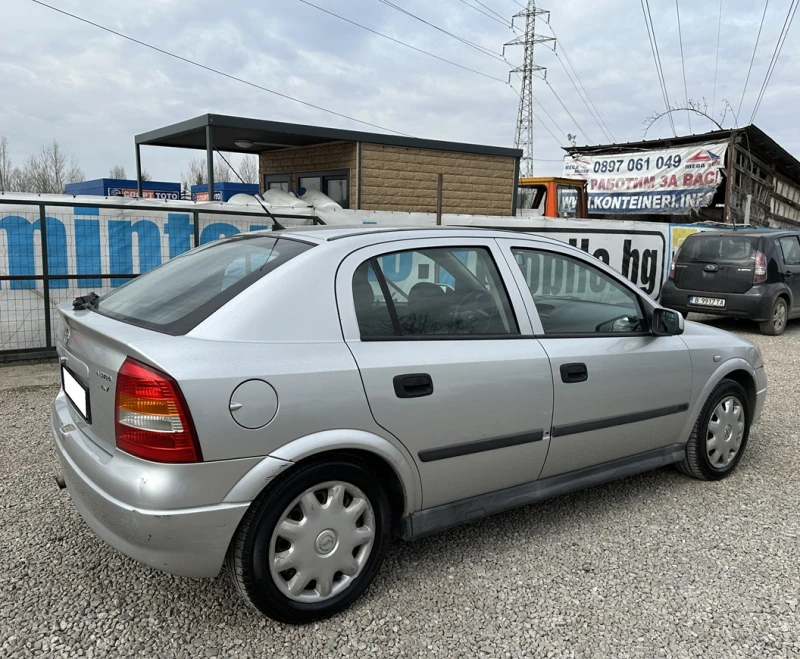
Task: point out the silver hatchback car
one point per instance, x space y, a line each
285 402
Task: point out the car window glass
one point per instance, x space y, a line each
438 291
372 310
713 249
183 291
572 297
790 247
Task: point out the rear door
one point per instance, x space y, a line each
789 252
618 390
717 263
449 363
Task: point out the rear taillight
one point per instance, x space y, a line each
152 419
760 271
672 264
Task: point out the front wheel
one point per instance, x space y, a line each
776 323
720 435
312 543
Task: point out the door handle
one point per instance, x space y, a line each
574 373
413 385
788 275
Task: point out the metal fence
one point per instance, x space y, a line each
54 251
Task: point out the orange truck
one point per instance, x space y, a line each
549 196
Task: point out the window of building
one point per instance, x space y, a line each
572 297
334 183
440 291
277 182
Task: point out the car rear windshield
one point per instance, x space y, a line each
181 293
715 249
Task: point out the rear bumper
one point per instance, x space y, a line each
189 541
755 304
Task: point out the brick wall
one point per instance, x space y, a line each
321 157
405 179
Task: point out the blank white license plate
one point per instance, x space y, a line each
77 393
706 301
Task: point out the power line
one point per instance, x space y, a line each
566 109
787 24
212 70
651 34
583 86
585 102
549 116
683 66
466 42
493 11
402 43
716 63
480 11
752 59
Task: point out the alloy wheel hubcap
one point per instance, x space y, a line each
779 317
725 432
322 542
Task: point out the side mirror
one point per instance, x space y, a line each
667 322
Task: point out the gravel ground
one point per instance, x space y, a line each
657 565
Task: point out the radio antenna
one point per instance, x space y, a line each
276 226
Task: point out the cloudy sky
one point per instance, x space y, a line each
94 91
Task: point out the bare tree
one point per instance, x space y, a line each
196 173
248 169
146 175
48 170
6 169
117 171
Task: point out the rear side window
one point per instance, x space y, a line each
183 292
442 291
790 248
716 249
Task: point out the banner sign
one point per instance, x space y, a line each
664 182
147 194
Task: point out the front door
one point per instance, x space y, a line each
790 252
618 390
448 362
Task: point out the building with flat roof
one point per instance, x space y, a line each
370 171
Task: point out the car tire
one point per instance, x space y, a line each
255 552
709 451
776 323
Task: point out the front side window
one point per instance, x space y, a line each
442 291
573 297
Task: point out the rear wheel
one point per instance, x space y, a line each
776 323
310 545
720 435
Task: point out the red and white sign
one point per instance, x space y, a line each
663 182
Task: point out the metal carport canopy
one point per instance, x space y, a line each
222 132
